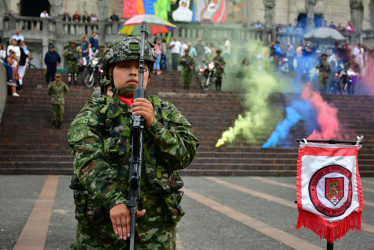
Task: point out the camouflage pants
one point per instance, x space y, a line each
73 67
57 112
187 77
150 234
323 83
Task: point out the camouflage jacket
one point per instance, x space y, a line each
73 57
187 63
218 62
323 67
100 140
57 91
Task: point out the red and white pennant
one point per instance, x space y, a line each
329 192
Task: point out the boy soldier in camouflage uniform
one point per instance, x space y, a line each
100 138
324 73
188 64
219 64
57 90
72 55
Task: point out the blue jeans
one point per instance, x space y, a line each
9 73
157 63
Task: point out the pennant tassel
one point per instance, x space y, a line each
326 230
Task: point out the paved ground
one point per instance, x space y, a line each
221 213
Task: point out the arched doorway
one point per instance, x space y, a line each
34 8
318 20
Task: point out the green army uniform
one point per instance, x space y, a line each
188 64
218 62
57 91
100 140
72 60
324 74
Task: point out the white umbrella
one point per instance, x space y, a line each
324 35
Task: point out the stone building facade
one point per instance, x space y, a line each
285 11
39 32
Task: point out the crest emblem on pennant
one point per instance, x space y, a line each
330 190
334 190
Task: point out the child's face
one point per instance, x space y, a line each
125 75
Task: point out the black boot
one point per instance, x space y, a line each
53 124
75 83
58 124
69 83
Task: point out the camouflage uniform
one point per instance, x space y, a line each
100 140
57 91
324 74
218 62
73 59
188 64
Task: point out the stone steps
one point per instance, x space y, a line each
28 144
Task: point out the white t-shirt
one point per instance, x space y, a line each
19 37
15 49
177 47
44 15
358 53
226 47
2 55
184 46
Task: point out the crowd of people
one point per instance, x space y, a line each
328 61
187 58
15 59
86 18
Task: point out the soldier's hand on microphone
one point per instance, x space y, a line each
121 220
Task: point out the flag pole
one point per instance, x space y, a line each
331 141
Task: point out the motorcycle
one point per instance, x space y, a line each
283 65
206 75
347 80
93 72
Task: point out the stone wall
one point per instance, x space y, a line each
286 11
3 90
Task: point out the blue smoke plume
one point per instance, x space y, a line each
296 111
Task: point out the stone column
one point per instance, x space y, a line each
269 13
103 10
269 21
56 7
309 7
357 15
45 40
59 44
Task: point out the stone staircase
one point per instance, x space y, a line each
29 145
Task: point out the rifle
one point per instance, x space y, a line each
136 145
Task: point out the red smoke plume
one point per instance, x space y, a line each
368 79
327 116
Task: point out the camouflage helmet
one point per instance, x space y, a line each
127 48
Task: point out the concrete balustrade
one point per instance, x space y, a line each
39 32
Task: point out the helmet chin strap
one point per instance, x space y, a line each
126 92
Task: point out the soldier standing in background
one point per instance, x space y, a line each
57 91
72 55
324 73
219 64
188 64
101 174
